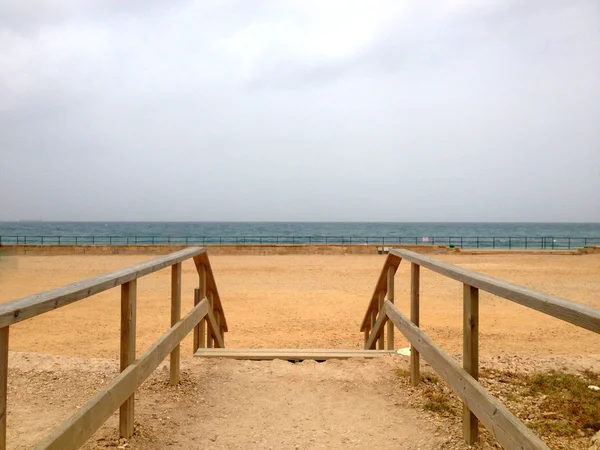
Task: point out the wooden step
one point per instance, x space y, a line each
289 354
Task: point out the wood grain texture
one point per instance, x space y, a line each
470 354
381 341
77 429
128 330
377 330
391 260
4 334
581 315
391 271
211 285
502 424
174 359
415 287
34 305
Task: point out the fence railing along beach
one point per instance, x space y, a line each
483 242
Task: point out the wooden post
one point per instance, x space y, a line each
175 316
390 296
470 353
3 384
199 294
209 337
381 341
218 320
128 307
366 337
415 279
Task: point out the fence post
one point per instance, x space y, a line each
3 384
209 336
470 353
390 297
199 294
128 307
175 316
415 282
381 341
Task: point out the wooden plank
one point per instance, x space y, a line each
391 260
211 330
470 354
390 296
174 360
34 305
380 341
567 310
76 430
4 334
200 294
415 283
128 313
291 354
202 259
377 331
504 426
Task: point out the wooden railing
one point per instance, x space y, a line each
119 393
479 404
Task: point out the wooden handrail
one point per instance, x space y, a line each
391 260
509 431
478 403
567 310
36 304
119 393
77 429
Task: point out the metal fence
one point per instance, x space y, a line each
451 241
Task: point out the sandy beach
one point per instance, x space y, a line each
305 301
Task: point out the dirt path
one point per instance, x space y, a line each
226 404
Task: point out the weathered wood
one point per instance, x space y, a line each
211 331
470 354
366 335
200 294
34 305
503 426
76 430
128 328
376 331
291 354
569 311
4 334
381 341
415 282
202 259
391 260
390 296
175 316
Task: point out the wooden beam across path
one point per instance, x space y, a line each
289 354
36 304
76 430
567 310
502 424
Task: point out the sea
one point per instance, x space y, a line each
465 235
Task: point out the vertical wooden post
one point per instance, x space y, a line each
381 341
199 294
209 336
218 330
175 316
390 297
367 330
470 353
3 384
128 307
415 270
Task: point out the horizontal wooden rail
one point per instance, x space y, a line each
504 426
76 430
34 305
567 310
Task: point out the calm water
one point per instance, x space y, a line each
484 235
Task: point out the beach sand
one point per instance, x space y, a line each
305 301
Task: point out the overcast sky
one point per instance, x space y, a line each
300 110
